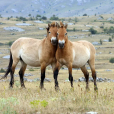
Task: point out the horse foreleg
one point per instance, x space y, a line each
86 74
43 67
21 73
56 69
55 78
92 66
70 74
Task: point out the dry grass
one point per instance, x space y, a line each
33 100
68 101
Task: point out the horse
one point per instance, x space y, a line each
75 55
33 52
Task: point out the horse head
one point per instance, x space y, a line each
52 32
62 35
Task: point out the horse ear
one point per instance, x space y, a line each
47 28
58 26
49 25
66 26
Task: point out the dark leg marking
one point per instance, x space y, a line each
94 78
21 73
55 77
12 78
71 79
42 79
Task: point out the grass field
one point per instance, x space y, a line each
67 101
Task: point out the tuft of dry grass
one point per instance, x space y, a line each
32 100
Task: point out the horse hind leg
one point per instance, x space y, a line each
92 66
43 67
21 73
12 70
70 74
86 74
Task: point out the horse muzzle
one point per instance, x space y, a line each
61 45
54 40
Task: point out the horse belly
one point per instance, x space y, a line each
31 60
79 62
80 59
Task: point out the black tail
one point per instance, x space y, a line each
9 67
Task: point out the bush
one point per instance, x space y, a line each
10 43
2 70
101 42
54 18
92 31
85 14
110 39
44 18
111 60
109 30
102 27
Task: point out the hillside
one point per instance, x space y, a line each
61 8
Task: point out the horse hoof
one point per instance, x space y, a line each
23 87
96 89
57 89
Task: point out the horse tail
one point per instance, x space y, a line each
9 66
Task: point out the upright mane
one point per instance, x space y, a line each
61 25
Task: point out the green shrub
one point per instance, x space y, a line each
85 14
44 18
31 69
10 43
110 39
54 18
111 60
101 42
2 70
102 27
109 30
92 31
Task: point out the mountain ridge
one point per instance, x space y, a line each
60 8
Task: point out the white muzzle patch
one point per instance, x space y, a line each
53 38
61 41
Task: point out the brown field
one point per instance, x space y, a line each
78 101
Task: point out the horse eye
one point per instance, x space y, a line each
49 32
65 34
57 34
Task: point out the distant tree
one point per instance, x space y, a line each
29 15
54 18
38 15
111 60
110 39
69 20
85 14
8 18
76 19
101 42
44 18
0 16
92 31
23 18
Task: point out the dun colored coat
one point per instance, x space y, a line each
33 52
74 55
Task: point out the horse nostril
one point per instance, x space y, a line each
61 45
54 42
